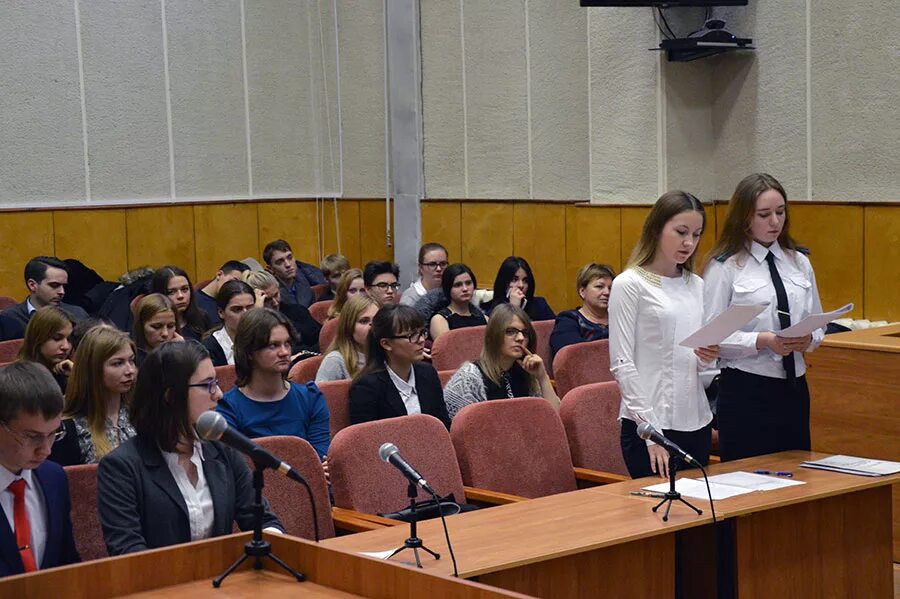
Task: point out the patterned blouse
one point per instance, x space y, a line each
116 434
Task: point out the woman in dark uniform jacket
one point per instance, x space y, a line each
515 285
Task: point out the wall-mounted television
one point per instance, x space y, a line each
664 3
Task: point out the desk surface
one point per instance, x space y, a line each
248 584
886 339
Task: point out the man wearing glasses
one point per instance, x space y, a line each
433 262
380 279
36 532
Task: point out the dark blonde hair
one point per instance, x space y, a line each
334 262
340 292
589 272
495 337
669 205
343 341
44 324
149 306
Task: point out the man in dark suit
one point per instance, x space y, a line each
46 278
36 527
295 278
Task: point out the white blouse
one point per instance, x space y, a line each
226 344
658 379
198 500
745 279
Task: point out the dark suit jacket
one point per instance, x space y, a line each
10 327
60 548
373 396
20 312
141 507
216 353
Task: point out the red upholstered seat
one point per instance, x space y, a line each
454 347
319 310
7 302
445 376
226 376
515 446
288 499
305 370
590 416
9 349
319 290
542 329
134 303
337 398
581 364
327 334
362 481
85 519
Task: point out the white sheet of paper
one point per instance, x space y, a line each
753 481
720 327
852 464
377 554
813 322
697 489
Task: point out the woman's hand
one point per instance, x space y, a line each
533 365
515 296
707 354
773 342
800 344
65 367
325 470
659 460
259 300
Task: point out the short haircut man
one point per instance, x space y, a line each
381 281
295 278
46 278
205 299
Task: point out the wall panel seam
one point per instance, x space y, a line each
528 103
462 42
246 99
165 44
809 182
84 130
590 123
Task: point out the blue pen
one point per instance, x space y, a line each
770 473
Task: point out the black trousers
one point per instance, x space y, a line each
637 458
760 414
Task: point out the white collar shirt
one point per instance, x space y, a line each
226 344
407 390
35 505
28 306
197 499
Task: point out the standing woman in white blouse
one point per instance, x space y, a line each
763 402
654 304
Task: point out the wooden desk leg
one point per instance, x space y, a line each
642 568
834 547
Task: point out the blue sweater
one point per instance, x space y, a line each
301 413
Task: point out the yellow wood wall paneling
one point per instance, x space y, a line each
441 224
487 237
882 263
837 265
23 235
632 223
373 233
709 237
593 234
539 236
721 210
345 228
295 222
224 232
161 236
96 237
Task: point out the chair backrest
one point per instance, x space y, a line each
305 370
327 334
513 446
7 302
590 416
337 398
10 349
361 481
319 310
202 284
226 376
288 499
85 519
445 376
543 329
319 290
581 364
454 347
134 303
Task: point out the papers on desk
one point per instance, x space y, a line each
723 325
723 486
753 481
378 554
813 322
852 465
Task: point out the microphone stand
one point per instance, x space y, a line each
673 495
258 548
414 542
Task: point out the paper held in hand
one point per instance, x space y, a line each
813 322
723 325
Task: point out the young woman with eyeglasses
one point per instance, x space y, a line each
508 366
433 262
381 283
395 381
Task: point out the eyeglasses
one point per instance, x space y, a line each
211 386
36 439
513 332
435 265
386 286
416 337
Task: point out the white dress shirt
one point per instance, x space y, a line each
745 279
34 505
407 390
658 379
226 344
198 500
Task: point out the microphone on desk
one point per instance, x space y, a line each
646 432
390 454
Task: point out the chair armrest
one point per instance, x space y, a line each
598 477
353 521
491 497
714 459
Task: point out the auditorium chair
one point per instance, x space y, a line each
337 398
85 518
7 302
581 364
319 310
226 376
327 334
199 286
445 376
590 414
543 329
10 349
454 347
305 370
320 290
134 303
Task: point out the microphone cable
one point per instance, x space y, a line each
712 506
446 533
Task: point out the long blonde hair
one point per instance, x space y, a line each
340 292
668 205
44 324
495 337
343 342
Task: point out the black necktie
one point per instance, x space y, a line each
784 315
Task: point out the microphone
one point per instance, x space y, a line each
390 454
646 432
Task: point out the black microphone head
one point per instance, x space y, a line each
387 450
211 425
644 430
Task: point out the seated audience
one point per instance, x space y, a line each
263 402
591 321
47 342
350 285
166 486
508 367
267 291
432 264
347 355
175 284
295 278
46 278
98 397
381 283
333 267
11 327
234 299
515 285
36 532
395 381
206 298
458 285
155 322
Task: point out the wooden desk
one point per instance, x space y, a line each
187 571
854 385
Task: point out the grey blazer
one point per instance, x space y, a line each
141 507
